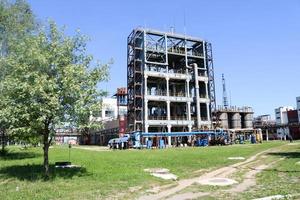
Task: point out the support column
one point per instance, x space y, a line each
145 85
168 111
168 89
146 131
169 138
208 111
267 134
206 89
146 110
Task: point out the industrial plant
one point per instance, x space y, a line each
170 100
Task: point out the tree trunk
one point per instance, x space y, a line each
46 150
2 141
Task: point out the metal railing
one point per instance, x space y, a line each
157 117
157 93
177 94
178 118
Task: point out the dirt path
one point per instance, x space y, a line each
249 179
92 148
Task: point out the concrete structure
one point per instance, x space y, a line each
281 114
263 120
109 110
170 82
113 117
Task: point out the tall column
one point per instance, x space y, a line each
267 134
168 111
187 88
169 138
197 96
189 117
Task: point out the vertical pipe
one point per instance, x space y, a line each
197 95
189 111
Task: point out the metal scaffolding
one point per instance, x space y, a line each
170 82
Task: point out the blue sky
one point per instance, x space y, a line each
256 44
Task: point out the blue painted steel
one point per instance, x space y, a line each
149 144
253 139
202 142
176 134
162 144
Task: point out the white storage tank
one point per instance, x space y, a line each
224 120
236 121
248 120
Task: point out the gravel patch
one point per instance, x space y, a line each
236 158
162 173
217 181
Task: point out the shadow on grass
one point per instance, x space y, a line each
36 172
19 155
291 154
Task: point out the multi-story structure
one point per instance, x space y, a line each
281 114
298 107
170 82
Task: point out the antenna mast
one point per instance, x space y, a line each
225 98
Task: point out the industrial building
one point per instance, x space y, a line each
285 126
281 114
170 82
113 116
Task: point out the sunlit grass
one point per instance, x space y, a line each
104 174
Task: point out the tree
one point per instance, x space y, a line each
52 82
16 21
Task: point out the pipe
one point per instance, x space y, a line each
197 95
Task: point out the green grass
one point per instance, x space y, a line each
283 178
106 174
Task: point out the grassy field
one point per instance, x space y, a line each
107 174
283 178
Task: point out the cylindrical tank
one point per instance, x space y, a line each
236 121
224 120
248 121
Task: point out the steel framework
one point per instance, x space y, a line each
170 82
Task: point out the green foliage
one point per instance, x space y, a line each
16 21
52 82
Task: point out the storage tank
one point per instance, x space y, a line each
248 120
236 121
224 120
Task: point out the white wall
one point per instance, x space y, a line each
109 110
